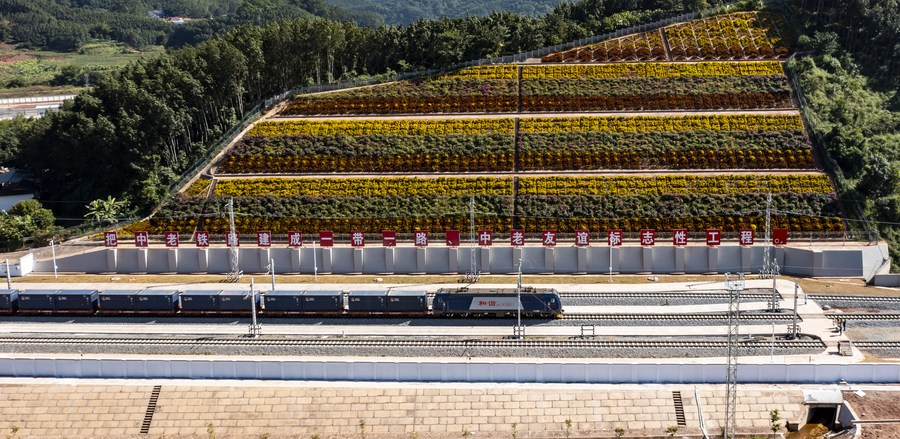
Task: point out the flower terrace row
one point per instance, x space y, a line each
647 46
802 202
745 35
451 238
650 86
490 145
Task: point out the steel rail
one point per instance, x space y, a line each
406 343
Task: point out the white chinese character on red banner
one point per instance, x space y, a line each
326 238
648 237
582 238
264 238
713 237
746 237
421 239
679 237
140 239
295 239
615 238
485 237
389 238
357 239
779 236
517 237
548 238
171 239
110 239
452 238
202 239
233 239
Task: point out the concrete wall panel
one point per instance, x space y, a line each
342 260
663 259
729 259
631 259
437 260
405 260
696 259
374 260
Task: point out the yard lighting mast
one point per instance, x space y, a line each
519 332
472 275
234 274
734 286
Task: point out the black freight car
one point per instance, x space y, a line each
9 301
323 302
118 301
157 302
366 302
407 302
200 302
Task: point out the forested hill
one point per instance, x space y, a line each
396 12
64 25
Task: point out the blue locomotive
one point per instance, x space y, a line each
496 302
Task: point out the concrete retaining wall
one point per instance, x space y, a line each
854 261
886 280
442 371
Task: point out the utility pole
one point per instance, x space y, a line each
271 268
473 274
774 302
8 277
234 274
315 265
255 328
53 252
734 287
766 270
519 332
794 330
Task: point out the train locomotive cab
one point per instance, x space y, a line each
497 302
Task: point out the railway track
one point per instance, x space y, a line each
864 316
838 298
877 344
406 343
757 316
745 297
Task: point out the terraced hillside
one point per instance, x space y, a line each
566 144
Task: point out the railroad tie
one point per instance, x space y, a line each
151 409
679 408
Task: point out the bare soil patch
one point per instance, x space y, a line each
874 406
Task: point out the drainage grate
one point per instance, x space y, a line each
151 409
679 409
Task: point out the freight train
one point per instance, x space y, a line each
451 302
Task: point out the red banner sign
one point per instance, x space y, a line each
111 239
582 238
202 239
679 237
420 238
548 238
517 237
648 237
326 238
780 236
746 236
485 237
140 239
295 239
171 239
264 238
389 238
233 240
357 238
452 238
713 237
614 238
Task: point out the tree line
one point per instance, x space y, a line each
849 79
136 130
